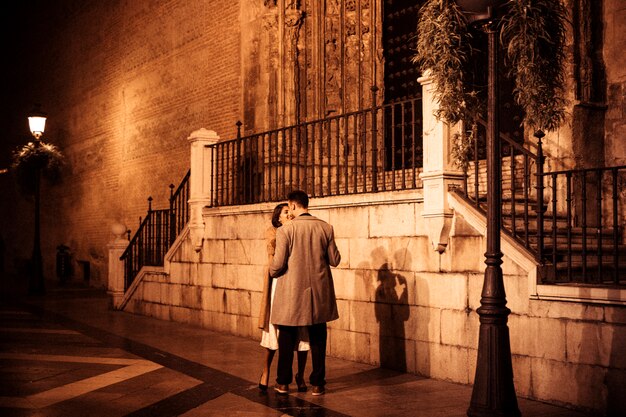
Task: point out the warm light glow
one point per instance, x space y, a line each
37 125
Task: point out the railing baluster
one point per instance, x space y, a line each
413 161
374 140
231 172
337 161
330 152
313 161
599 223
291 165
569 225
554 226
270 186
298 150
615 228
403 146
394 149
172 228
476 173
239 189
355 140
540 249
346 154
513 190
584 224
383 152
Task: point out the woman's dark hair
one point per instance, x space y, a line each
276 215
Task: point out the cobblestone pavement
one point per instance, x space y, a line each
67 354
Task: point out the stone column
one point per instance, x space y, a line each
200 181
439 172
115 285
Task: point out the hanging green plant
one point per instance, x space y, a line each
533 33
32 158
444 48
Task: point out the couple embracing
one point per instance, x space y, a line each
300 294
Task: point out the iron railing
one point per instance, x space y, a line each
520 168
583 226
179 208
570 220
371 150
156 233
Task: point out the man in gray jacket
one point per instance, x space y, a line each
305 294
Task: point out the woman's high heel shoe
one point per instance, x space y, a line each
262 387
300 383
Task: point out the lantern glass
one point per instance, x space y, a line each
37 125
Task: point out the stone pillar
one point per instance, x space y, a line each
439 172
200 184
115 285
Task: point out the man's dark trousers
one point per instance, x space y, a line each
287 339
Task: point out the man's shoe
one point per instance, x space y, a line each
282 389
318 390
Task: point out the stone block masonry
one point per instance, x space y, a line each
397 308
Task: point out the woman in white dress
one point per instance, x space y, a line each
269 337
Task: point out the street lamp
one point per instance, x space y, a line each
37 124
493 393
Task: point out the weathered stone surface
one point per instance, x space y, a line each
212 298
596 344
449 363
191 296
549 382
345 310
551 345
441 290
356 227
364 317
213 251
403 223
347 344
353 284
424 324
241 251
522 375
462 254
615 315
455 328
516 287
561 310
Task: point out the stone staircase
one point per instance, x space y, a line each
571 253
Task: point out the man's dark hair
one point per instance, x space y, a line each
299 197
276 215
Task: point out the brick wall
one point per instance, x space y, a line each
124 83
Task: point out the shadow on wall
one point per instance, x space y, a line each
392 309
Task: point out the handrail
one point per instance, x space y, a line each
511 142
583 170
156 232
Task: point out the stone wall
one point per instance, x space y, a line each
401 304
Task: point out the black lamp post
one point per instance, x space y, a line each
493 393
37 124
